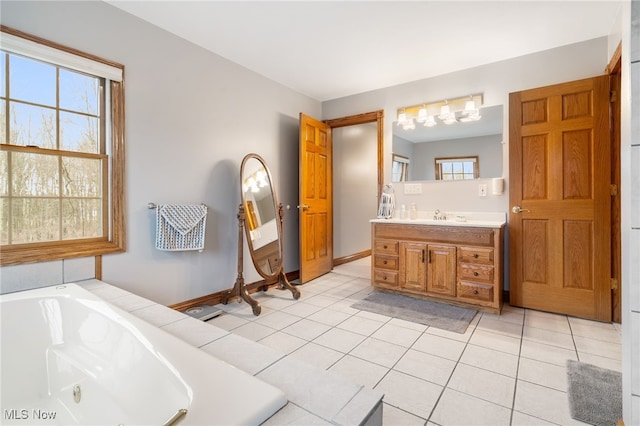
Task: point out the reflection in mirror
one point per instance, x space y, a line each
422 145
400 168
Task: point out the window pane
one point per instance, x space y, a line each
3 118
78 132
468 167
446 167
457 167
81 177
4 173
34 174
32 81
32 125
78 92
34 220
82 218
3 74
4 221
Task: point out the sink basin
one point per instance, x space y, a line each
471 219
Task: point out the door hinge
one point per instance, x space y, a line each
613 189
614 284
613 96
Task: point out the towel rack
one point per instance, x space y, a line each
155 206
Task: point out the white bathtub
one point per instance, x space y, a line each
68 357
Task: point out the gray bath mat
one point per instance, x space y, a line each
595 393
433 314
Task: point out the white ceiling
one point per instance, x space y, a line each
331 49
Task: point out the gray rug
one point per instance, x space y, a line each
433 314
595 394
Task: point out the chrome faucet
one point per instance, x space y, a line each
437 215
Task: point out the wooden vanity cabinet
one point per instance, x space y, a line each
458 265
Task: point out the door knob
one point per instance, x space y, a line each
303 207
517 209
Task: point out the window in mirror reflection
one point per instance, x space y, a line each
457 168
399 168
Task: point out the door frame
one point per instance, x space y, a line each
352 120
614 70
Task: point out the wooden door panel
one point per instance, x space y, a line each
309 233
316 246
577 156
559 176
535 260
578 254
534 171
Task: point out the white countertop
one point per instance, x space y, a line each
469 219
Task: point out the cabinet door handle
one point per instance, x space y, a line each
384 262
475 274
475 255
475 291
384 277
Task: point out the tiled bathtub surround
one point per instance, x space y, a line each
507 369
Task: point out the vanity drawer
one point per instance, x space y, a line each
476 272
386 247
385 262
475 291
385 278
475 255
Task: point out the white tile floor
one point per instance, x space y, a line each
505 370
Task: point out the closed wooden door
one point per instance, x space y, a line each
413 266
559 226
315 209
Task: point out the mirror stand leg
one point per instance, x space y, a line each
284 284
241 291
239 288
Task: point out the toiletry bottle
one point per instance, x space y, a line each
403 212
413 212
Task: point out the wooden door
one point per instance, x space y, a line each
441 270
315 209
413 266
559 226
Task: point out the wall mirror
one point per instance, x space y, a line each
416 149
261 216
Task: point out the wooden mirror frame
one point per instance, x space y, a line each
267 259
248 220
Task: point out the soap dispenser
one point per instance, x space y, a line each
413 212
403 212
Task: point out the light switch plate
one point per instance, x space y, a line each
482 190
413 188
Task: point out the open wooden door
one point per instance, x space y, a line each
316 189
560 223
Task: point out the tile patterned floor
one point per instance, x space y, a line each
505 370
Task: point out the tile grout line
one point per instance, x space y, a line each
515 383
444 388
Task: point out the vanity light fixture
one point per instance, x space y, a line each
470 112
449 111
